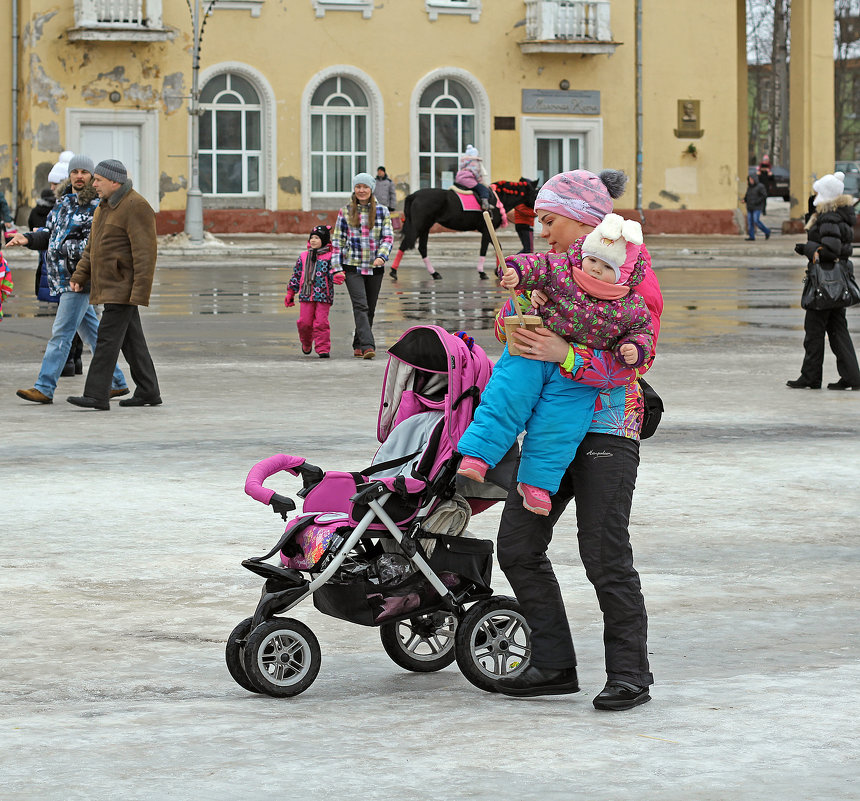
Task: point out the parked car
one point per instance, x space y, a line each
852 176
778 186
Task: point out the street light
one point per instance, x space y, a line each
194 201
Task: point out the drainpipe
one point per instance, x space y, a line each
639 134
15 126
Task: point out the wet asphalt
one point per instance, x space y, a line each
124 532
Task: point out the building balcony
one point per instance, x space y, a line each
119 21
568 26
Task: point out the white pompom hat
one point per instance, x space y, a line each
66 156
59 172
608 241
828 188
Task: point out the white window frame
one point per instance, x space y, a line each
463 7
268 129
591 130
482 117
375 129
364 6
245 153
146 183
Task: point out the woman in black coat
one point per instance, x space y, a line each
830 232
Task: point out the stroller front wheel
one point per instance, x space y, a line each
493 642
234 654
282 657
423 644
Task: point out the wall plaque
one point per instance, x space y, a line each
689 120
557 101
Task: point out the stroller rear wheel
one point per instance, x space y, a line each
234 654
423 644
493 642
282 657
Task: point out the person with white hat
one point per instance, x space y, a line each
361 244
64 239
590 305
830 235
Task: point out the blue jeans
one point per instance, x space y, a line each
753 222
74 313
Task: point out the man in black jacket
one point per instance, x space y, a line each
756 201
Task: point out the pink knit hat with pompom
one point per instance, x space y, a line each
580 195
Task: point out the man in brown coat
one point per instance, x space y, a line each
119 265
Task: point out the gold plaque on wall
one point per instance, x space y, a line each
689 120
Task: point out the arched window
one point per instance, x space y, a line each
339 135
230 137
446 124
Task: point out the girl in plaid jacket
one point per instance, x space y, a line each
361 244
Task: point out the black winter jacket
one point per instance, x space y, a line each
756 197
830 231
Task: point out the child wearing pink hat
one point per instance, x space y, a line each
590 302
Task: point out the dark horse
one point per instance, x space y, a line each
427 207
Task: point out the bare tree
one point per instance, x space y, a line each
846 79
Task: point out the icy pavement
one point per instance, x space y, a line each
124 532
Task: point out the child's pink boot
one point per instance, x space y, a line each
535 499
473 468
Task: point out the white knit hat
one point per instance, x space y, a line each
471 151
608 241
828 188
66 156
59 172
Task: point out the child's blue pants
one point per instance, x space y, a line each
556 413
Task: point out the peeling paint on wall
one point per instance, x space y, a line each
48 137
173 92
43 90
140 95
43 168
33 30
116 74
290 185
5 156
92 95
167 184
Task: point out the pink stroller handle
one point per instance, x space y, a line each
268 467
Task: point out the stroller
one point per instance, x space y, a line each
387 546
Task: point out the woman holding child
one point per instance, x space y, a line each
601 479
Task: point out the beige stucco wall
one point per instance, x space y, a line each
688 50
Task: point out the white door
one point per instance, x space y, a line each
555 154
121 142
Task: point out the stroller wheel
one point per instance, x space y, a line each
234 654
424 643
282 657
493 642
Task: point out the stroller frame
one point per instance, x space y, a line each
486 634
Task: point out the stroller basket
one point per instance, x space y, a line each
459 561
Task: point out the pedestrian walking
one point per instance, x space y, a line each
601 479
830 233
313 281
361 244
63 240
119 265
384 191
756 202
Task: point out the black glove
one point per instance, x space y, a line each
800 248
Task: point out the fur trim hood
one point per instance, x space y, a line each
87 195
833 205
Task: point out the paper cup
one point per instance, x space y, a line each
533 322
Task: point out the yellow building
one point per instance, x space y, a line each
296 96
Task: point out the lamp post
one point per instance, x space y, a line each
194 200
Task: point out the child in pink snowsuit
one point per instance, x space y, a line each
314 279
473 176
